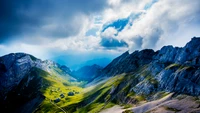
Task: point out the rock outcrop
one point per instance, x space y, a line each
21 81
171 69
128 62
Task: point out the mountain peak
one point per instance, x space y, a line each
193 43
126 53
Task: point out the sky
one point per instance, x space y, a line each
93 29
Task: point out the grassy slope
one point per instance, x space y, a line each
99 96
101 99
91 99
53 85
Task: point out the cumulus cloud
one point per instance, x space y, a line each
160 23
101 26
109 41
109 32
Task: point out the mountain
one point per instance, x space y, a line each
87 73
175 69
26 82
151 78
76 62
146 74
103 62
167 80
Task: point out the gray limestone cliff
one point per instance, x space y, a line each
171 69
21 81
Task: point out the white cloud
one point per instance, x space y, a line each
39 51
166 21
122 9
109 32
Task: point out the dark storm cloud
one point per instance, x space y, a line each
24 17
111 43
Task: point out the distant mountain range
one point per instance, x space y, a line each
75 62
167 80
87 73
102 62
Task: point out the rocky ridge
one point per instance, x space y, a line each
144 76
171 69
21 81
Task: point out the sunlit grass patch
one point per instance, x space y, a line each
127 106
172 66
55 86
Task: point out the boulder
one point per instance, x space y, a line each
57 100
62 95
71 94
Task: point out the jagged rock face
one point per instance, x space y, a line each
184 80
189 54
20 81
167 54
15 67
24 95
170 69
183 77
128 62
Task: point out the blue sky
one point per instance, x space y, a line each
95 28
